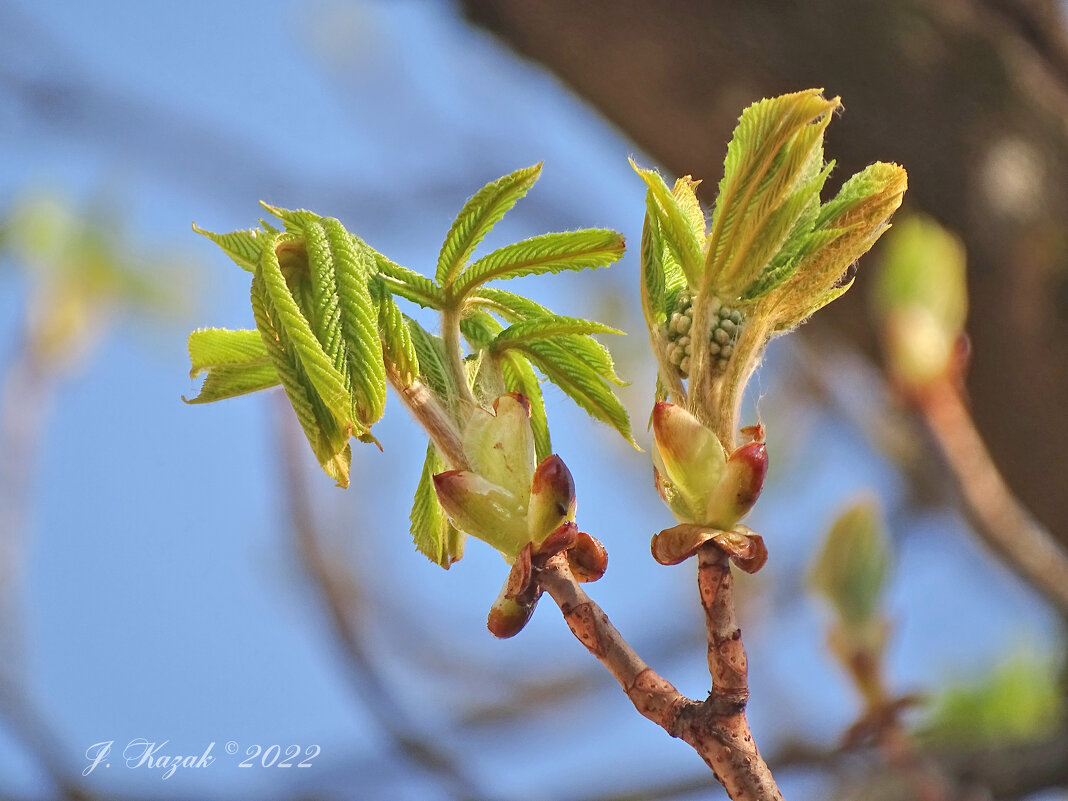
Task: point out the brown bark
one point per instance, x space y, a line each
715 728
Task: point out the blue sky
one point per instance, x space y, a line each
164 597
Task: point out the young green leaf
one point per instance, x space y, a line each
675 224
654 281
212 347
294 220
244 247
405 282
397 339
548 253
773 145
580 382
479 214
435 537
509 305
548 327
236 362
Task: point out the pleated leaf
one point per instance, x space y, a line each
772 144
478 216
328 383
548 253
397 339
244 247
328 439
354 265
434 536
653 283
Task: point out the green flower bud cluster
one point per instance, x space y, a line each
726 326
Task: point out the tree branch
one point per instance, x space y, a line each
997 517
715 728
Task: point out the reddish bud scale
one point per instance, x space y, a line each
587 558
753 461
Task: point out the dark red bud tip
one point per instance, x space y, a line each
562 538
587 558
519 398
507 619
553 476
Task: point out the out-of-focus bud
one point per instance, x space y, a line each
483 509
552 498
920 298
587 557
852 567
689 461
740 486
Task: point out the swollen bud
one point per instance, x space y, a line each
552 498
689 460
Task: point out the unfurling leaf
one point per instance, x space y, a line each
236 363
672 214
433 366
776 143
407 283
244 247
328 438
